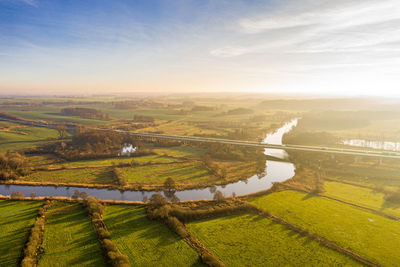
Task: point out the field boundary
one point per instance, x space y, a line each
377 212
321 240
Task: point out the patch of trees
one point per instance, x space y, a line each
17 195
32 247
299 137
393 196
119 177
319 104
143 118
12 166
97 144
96 210
232 152
332 120
88 113
202 108
133 104
223 208
238 111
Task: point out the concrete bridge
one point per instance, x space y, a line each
352 152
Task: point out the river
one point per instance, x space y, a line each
275 171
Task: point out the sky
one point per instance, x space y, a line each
343 47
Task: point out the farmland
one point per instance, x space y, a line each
16 221
365 197
338 199
147 242
250 240
69 238
372 236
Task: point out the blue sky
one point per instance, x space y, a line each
305 46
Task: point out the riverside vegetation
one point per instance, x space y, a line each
338 210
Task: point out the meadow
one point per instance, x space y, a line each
145 242
18 137
372 236
86 175
365 197
368 172
181 172
16 221
251 240
69 238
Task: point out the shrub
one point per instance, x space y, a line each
17 195
119 177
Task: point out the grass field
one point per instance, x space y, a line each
16 221
251 240
69 238
114 161
89 176
23 137
367 172
362 196
145 242
372 236
52 114
180 172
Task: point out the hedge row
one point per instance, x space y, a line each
96 209
32 247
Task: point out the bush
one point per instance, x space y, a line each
157 200
12 166
17 195
96 209
119 177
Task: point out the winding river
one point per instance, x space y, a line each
275 171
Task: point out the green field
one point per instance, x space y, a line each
115 161
87 175
52 114
372 236
69 238
145 242
16 221
180 172
23 137
367 172
251 240
361 196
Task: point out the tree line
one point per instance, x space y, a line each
13 165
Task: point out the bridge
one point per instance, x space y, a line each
351 152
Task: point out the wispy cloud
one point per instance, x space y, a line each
329 27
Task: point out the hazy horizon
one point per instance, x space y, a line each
344 48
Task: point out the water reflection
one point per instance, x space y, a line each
275 171
383 145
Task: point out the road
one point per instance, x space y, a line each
351 152
330 150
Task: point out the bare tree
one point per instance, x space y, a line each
62 130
